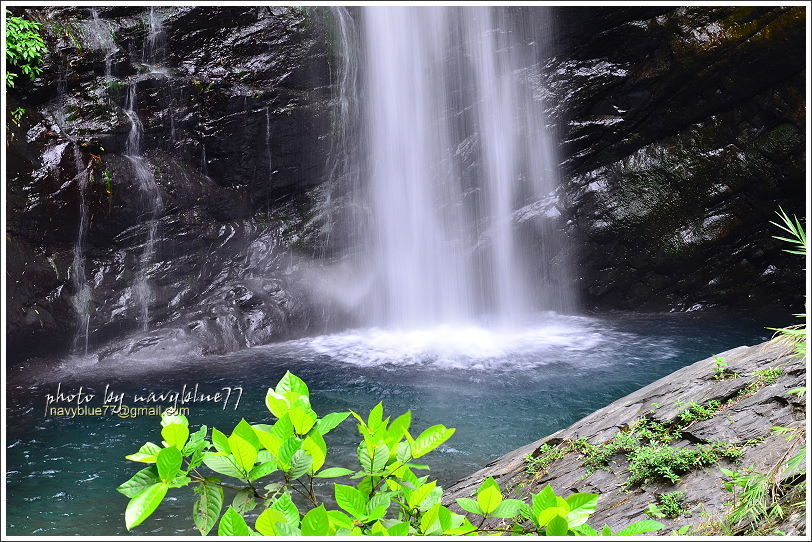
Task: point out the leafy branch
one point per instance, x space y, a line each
293 450
24 48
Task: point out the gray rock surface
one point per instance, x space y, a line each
746 423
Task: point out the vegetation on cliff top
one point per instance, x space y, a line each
24 48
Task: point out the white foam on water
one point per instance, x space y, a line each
551 339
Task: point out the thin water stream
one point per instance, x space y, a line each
153 203
82 297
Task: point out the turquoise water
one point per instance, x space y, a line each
500 389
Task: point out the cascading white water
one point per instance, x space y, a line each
456 144
82 298
104 40
268 145
145 178
153 47
153 205
415 191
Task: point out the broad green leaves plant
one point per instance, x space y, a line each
24 48
272 472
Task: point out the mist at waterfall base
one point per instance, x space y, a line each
499 393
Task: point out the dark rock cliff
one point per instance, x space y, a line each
235 129
681 130
682 133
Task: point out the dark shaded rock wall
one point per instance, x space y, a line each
682 133
234 104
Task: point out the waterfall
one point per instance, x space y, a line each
268 145
455 145
152 203
104 40
82 298
153 47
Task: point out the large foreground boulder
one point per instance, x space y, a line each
726 412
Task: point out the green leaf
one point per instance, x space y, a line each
581 506
586 530
316 448
378 529
277 403
244 501
399 529
245 454
299 464
557 527
420 494
170 416
247 433
180 481
330 422
399 427
316 522
333 472
470 505
302 418
489 496
340 519
197 441
169 461
508 508
139 482
224 465
375 416
291 382
544 499
175 434
145 454
640 527
286 451
142 505
269 521
404 452
548 514
351 500
380 456
263 469
283 428
284 504
430 439
436 520
268 440
377 507
364 458
207 507
220 441
233 524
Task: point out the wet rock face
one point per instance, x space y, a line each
682 134
235 129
